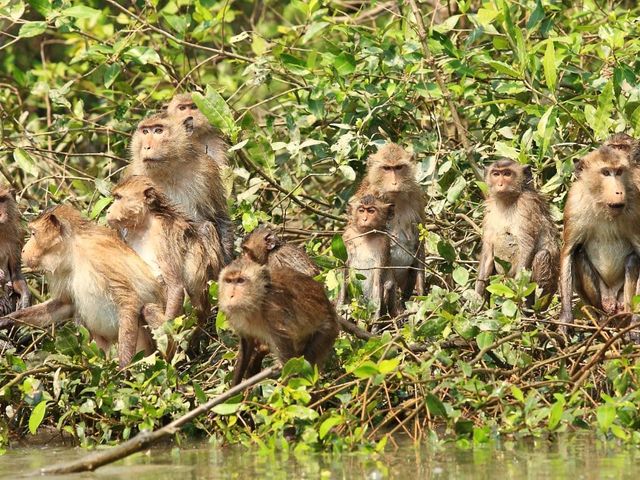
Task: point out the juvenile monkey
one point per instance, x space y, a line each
391 174
182 107
163 150
94 276
368 248
263 246
167 241
279 307
11 240
600 255
518 228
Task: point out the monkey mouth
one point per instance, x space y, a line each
616 208
151 160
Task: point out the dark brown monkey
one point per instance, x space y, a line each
391 174
518 229
368 247
279 307
94 276
600 255
163 150
263 246
167 241
182 107
11 240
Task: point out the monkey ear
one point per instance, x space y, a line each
56 223
528 175
270 240
150 195
578 166
188 125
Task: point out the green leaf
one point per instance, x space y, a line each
99 206
485 339
605 414
366 369
536 16
345 63
201 397
388 366
435 406
600 119
81 11
226 408
338 248
32 29
111 74
517 393
509 308
555 414
25 162
36 417
328 424
549 64
460 276
446 250
501 290
215 108
142 55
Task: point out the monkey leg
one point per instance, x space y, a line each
408 283
631 280
587 280
544 273
20 287
389 298
175 300
154 317
245 352
44 314
319 347
129 326
255 364
145 342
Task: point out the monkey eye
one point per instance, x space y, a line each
606 173
371 210
240 280
507 173
619 172
495 173
3 199
182 108
387 168
157 130
399 167
145 131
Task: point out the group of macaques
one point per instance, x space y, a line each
170 234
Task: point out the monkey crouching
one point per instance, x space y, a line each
279 307
96 277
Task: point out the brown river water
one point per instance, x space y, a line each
570 457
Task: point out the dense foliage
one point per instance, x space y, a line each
304 91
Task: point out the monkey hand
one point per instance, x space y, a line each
6 322
24 302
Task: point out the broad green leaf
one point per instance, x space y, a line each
460 275
25 162
111 74
517 393
435 406
32 29
550 72
215 108
36 417
456 188
388 366
99 206
142 55
485 16
338 248
501 290
201 397
555 414
484 339
328 424
226 408
366 369
81 11
345 63
605 414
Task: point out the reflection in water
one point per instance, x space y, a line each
570 457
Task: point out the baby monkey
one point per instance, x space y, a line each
263 246
279 307
518 229
167 241
368 248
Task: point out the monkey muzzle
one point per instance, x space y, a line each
616 208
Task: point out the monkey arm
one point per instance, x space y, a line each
19 284
175 299
129 325
419 265
47 313
342 295
566 283
485 267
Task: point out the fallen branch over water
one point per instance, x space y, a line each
146 439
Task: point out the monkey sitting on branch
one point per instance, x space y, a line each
279 307
96 277
11 240
518 229
263 246
601 252
168 242
162 149
368 249
391 175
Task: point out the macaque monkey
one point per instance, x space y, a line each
182 107
623 142
163 150
263 246
279 307
167 241
95 277
391 174
368 247
600 255
518 229
11 240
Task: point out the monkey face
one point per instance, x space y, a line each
369 217
242 287
44 250
7 204
391 169
258 244
151 141
129 207
606 173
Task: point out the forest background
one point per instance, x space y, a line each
304 92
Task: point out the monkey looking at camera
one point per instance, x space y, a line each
391 175
167 241
279 307
94 276
263 246
11 240
368 249
600 255
518 229
162 149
